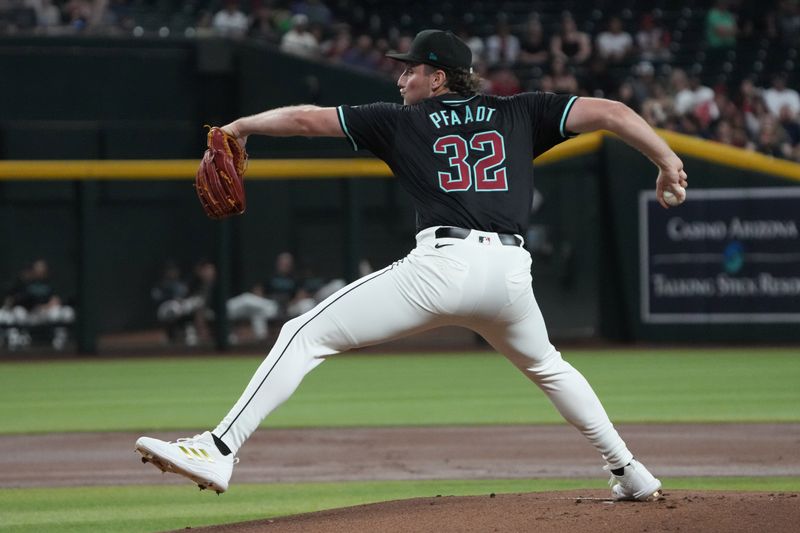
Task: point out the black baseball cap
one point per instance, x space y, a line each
437 48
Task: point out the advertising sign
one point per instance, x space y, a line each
724 256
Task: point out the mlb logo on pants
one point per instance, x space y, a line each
485 240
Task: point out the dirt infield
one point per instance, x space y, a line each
554 512
487 452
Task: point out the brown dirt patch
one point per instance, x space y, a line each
556 512
485 452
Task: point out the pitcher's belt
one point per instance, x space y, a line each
447 232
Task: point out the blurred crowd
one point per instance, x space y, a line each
33 313
32 309
185 305
722 70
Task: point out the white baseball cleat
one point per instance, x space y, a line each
197 458
635 484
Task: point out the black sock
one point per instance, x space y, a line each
221 446
615 471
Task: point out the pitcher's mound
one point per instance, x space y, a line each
587 511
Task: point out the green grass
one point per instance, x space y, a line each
369 390
373 390
157 508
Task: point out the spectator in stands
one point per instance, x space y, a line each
263 26
283 286
502 48
570 44
482 71
503 82
204 25
698 100
199 304
688 125
789 123
474 42
739 134
755 116
627 96
282 17
534 46
748 93
230 21
33 302
560 79
772 139
295 294
170 296
250 305
103 18
723 133
779 96
746 102
643 82
361 54
614 45
123 15
652 40
313 290
47 14
78 13
402 45
657 109
727 108
730 132
299 40
40 298
316 11
682 93
13 315
728 112
720 26
384 65
786 22
334 48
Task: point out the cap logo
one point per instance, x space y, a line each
433 57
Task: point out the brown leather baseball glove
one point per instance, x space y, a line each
220 179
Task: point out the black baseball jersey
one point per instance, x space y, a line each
467 162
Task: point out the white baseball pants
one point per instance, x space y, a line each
478 283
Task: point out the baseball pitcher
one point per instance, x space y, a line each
466 160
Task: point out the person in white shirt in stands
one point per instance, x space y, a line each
502 48
230 21
778 96
47 14
615 44
692 97
299 41
474 42
652 39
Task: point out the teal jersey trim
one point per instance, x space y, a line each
456 102
344 128
564 116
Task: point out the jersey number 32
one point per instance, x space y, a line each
487 173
